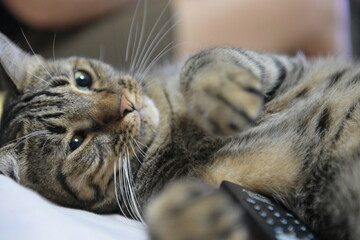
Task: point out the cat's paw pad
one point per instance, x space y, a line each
224 99
193 210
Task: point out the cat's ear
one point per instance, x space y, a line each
9 162
14 61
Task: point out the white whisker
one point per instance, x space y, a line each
157 39
101 52
146 84
133 49
152 31
125 189
43 146
133 150
53 46
135 60
36 56
115 188
43 80
143 144
134 203
123 186
166 49
131 31
143 75
140 149
155 43
19 140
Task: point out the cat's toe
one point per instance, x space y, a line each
193 210
225 100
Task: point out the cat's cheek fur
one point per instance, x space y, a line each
149 115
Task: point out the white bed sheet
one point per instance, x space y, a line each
26 215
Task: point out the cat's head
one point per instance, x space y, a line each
74 124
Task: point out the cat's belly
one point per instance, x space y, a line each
270 170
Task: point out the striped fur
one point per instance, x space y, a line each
297 145
276 124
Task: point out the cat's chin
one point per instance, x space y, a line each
149 115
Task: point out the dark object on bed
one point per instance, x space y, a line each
267 219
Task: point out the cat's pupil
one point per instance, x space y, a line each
83 79
76 142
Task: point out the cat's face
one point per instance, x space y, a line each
75 125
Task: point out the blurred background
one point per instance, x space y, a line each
123 31
178 28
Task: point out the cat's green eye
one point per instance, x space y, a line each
76 141
83 79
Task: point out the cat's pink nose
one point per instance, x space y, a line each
125 106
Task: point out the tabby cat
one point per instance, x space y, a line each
87 136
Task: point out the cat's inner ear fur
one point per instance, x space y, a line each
14 61
9 162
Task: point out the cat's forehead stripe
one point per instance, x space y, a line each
53 115
28 98
56 129
94 68
59 83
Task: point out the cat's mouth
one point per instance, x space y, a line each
137 127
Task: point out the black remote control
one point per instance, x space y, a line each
267 219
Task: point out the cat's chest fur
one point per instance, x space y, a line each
179 147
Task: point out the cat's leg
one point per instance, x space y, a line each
226 88
196 211
331 204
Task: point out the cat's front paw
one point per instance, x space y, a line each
223 98
193 210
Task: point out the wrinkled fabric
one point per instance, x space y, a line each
26 215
